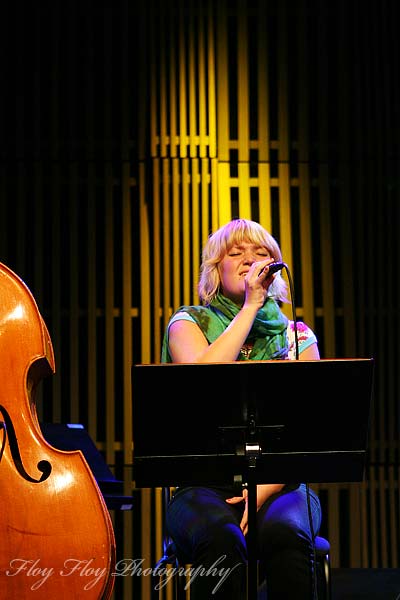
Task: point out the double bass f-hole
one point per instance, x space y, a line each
3 432
8 431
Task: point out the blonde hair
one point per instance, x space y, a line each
221 241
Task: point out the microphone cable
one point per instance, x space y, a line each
314 593
294 318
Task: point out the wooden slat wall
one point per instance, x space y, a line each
130 137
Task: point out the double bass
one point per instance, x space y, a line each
56 534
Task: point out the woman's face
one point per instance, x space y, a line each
234 267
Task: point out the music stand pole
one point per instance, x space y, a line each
252 452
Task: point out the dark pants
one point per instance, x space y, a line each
206 532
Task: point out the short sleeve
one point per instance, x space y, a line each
180 316
305 335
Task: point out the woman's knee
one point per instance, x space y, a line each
286 534
225 539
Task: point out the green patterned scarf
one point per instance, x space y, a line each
268 332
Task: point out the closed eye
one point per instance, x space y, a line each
262 252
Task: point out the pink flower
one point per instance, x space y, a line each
300 326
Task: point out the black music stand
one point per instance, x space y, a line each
215 424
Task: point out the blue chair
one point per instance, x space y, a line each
169 560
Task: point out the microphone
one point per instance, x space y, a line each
274 267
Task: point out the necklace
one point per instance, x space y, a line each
245 350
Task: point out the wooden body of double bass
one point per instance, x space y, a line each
56 535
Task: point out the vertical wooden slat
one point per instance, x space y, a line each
186 234
285 236
195 227
110 352
324 195
224 207
306 245
159 521
205 186
163 54
263 94
127 283
19 215
215 193
74 352
153 265
212 85
145 292
328 312
166 223
359 524
127 339
364 537
56 304
38 262
173 91
182 88
38 187
390 92
127 67
392 354
92 241
202 80
380 254
285 233
334 524
145 530
146 80
91 349
127 268
355 528
243 112
326 256
369 252
71 201
192 87
374 526
303 170
327 289
264 187
109 315
20 115
176 228
154 106
242 84
383 517
370 300
222 90
263 142
344 174
244 190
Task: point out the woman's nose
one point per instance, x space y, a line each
249 257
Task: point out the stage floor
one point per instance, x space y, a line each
365 584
